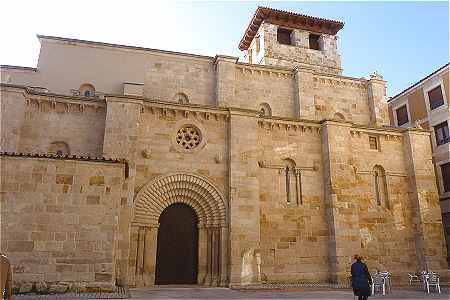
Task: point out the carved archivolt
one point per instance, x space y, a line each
191 189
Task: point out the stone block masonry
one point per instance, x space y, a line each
59 222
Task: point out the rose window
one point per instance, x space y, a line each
188 137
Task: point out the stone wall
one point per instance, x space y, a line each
294 233
394 234
166 77
326 60
158 153
336 97
30 123
255 85
59 221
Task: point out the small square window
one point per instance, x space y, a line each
314 41
402 115
436 98
373 142
441 133
284 36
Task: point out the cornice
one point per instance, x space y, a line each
63 157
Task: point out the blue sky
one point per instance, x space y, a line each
404 41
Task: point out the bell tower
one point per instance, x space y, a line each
281 38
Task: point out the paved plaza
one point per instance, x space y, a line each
197 292
304 294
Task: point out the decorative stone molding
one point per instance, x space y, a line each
218 158
371 173
301 128
357 133
186 112
191 189
146 153
51 103
63 157
188 137
187 142
375 75
261 71
264 164
339 82
285 173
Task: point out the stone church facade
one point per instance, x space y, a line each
277 169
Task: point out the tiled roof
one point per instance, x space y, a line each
288 19
419 82
62 157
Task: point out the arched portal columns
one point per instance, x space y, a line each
143 254
213 266
211 209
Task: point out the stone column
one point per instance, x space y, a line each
120 141
223 256
202 254
304 93
140 257
342 209
134 236
378 107
244 193
208 276
215 239
424 197
150 247
225 77
298 186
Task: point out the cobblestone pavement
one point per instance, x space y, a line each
303 294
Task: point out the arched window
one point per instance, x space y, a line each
181 98
59 148
87 90
265 110
380 186
291 182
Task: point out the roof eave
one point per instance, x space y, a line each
263 13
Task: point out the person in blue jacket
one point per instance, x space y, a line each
361 279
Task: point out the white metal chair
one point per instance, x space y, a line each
378 282
432 279
414 278
387 277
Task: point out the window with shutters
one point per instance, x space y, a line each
441 133
435 97
314 41
402 115
284 36
445 171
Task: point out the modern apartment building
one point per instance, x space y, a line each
425 104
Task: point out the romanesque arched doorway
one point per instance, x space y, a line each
177 246
200 195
